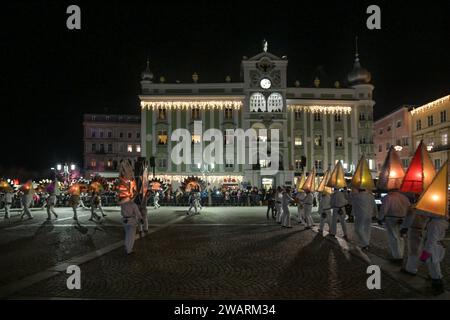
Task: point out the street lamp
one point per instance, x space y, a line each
58 167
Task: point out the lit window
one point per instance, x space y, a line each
298 141
196 138
93 163
275 102
444 139
138 148
264 163
162 137
318 140
129 148
298 164
257 102
339 141
109 163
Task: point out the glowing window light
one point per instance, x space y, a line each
327 109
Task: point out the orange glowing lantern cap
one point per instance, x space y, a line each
309 184
392 173
337 179
434 201
323 184
362 179
75 189
301 182
420 172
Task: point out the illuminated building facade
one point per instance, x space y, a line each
109 139
431 123
395 130
317 125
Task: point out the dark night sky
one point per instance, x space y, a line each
50 76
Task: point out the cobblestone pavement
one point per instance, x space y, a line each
223 253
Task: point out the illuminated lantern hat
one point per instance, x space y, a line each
301 182
420 172
75 189
309 184
27 187
337 177
127 185
434 201
5 186
96 187
323 184
362 179
392 173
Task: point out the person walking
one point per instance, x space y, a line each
286 200
363 208
278 206
94 204
270 197
300 199
192 203
394 208
131 216
338 203
143 227
156 204
27 199
308 205
324 210
51 202
9 195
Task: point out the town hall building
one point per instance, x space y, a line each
317 126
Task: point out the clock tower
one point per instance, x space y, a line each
265 108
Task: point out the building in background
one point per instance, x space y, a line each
318 126
394 129
109 139
431 123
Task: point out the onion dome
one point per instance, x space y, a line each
358 75
147 74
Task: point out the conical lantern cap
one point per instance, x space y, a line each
434 201
392 173
310 181
420 172
324 181
301 182
337 177
362 179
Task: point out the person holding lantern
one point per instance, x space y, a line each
363 202
95 203
300 199
131 216
308 205
338 200
433 204
74 200
324 209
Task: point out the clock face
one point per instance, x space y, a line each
265 83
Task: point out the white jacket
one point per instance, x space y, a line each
394 205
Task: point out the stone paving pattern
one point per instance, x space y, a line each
247 257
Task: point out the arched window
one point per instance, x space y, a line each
275 103
257 103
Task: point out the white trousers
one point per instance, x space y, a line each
193 205
308 215
130 236
26 211
50 210
363 227
156 204
396 243
286 218
279 211
144 226
7 210
325 218
335 217
414 249
301 215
